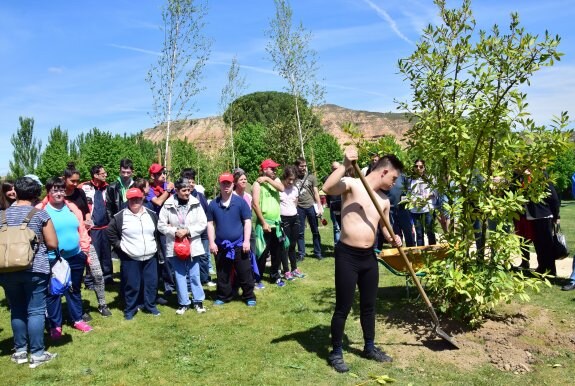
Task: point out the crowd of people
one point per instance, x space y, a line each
164 233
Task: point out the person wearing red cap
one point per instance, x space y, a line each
266 203
133 233
160 189
229 230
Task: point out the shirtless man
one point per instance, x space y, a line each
355 262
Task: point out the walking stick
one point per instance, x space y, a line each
436 329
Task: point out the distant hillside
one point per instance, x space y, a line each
208 133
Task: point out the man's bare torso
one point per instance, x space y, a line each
358 215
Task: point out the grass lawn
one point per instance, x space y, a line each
285 340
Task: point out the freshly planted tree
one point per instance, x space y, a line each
175 79
27 149
473 130
296 62
231 91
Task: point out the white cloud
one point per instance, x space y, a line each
385 16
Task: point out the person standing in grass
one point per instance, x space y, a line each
74 247
229 230
290 221
134 236
266 203
26 290
355 261
182 217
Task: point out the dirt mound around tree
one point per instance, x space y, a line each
509 342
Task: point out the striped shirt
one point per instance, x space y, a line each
14 217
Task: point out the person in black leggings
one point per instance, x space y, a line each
355 262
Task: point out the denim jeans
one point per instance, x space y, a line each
205 263
336 221
73 295
402 224
311 216
26 292
184 269
422 220
572 277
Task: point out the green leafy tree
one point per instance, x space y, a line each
27 149
175 79
322 151
252 148
562 169
294 60
468 110
231 91
55 156
268 108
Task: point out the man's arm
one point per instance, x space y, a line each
212 238
247 235
277 184
396 242
318 200
256 188
334 185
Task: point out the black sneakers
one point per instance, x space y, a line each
336 361
377 355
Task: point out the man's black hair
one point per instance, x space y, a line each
95 170
389 160
299 161
188 173
27 189
126 163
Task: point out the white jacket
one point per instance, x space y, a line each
195 221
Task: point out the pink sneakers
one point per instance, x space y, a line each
56 333
82 326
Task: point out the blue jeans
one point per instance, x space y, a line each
402 224
26 292
336 221
572 277
422 220
188 268
205 263
73 295
311 216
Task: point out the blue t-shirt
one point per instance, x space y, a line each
66 224
229 222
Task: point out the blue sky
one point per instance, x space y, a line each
82 64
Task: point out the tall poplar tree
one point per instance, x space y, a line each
294 60
231 91
175 79
27 149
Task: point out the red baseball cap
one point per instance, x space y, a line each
134 193
155 168
269 163
226 177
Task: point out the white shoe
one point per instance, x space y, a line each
182 310
199 308
211 284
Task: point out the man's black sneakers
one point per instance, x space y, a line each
377 355
336 361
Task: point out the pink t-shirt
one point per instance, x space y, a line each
288 201
247 198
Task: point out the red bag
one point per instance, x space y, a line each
182 248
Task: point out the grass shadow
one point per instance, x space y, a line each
314 340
